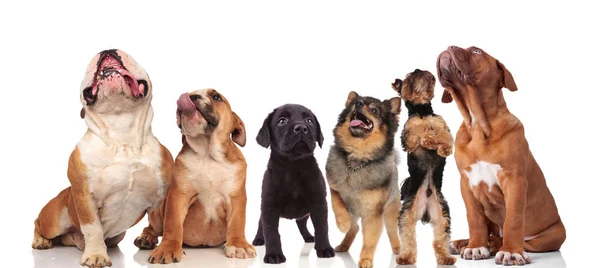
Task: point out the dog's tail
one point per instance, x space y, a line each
404 186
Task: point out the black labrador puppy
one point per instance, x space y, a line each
293 185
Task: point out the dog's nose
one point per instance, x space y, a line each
300 127
360 104
452 47
417 71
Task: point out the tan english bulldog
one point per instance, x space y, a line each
206 204
118 171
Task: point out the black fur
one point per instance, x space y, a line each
419 165
293 185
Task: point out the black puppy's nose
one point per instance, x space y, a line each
360 104
300 127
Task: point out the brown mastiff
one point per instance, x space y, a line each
510 209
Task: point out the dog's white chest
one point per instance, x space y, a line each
485 172
214 182
123 184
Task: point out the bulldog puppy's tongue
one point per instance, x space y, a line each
356 123
185 104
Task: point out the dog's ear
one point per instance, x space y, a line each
82 113
508 80
395 104
182 139
264 134
238 134
446 96
319 137
351 96
397 85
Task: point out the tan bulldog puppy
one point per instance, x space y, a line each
118 171
206 205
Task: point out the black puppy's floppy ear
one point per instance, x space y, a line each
264 134
397 85
508 81
319 136
351 96
238 134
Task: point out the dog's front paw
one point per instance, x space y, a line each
146 241
239 249
444 150
365 263
512 258
325 253
342 248
479 253
343 223
429 142
41 243
166 252
274 258
95 259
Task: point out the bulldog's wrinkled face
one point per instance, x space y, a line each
291 130
460 68
114 82
205 111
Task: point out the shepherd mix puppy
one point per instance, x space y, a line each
362 173
206 204
118 171
427 140
293 185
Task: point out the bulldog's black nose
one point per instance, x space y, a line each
417 71
360 104
300 127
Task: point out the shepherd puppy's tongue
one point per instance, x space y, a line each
357 123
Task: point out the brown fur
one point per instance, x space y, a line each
182 218
521 204
362 149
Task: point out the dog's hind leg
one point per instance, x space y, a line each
549 240
149 237
259 239
440 221
349 238
390 218
406 222
308 238
52 221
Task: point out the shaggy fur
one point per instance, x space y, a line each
362 174
427 141
293 185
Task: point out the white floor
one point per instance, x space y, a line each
298 254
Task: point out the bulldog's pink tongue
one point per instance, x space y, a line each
356 123
185 104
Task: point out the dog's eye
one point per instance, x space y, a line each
374 110
282 121
309 120
476 51
216 97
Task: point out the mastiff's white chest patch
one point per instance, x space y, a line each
485 172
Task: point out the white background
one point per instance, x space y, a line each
262 55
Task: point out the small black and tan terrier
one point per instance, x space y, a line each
427 141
